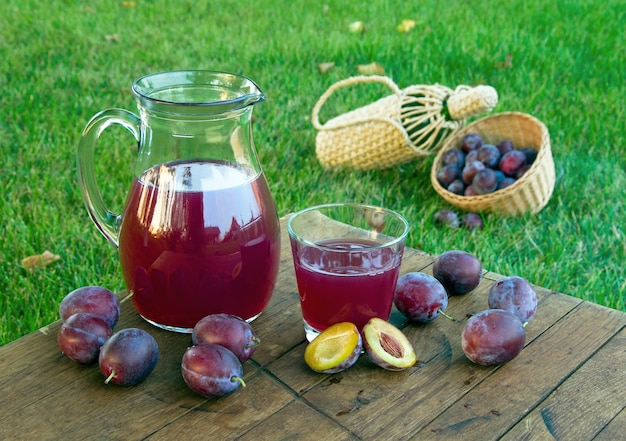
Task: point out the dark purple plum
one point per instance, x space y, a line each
472 221
485 181
493 336
506 182
94 300
211 370
453 157
471 156
82 335
514 294
229 331
128 356
471 141
446 217
500 176
470 169
530 153
420 297
505 146
447 174
511 162
489 155
522 171
457 187
470 191
458 271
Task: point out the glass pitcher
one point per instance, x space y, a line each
199 233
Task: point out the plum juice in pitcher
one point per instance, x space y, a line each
195 240
199 233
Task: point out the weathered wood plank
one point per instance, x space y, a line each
502 399
226 417
571 370
297 421
400 404
615 429
280 326
565 416
73 400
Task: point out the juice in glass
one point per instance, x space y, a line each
199 237
345 280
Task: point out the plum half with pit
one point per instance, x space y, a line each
387 346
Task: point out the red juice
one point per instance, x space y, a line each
352 283
199 238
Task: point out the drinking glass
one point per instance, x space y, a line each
347 260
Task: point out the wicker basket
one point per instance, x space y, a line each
532 191
406 125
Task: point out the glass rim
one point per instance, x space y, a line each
398 239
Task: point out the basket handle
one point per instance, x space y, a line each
348 82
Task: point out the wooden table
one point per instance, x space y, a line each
567 384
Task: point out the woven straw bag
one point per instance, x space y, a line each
409 124
532 191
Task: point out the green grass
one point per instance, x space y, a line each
63 61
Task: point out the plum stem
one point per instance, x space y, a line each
239 379
110 377
255 342
128 297
449 317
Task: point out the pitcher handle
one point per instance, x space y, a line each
107 221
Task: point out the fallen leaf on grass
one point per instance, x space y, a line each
325 67
506 64
112 38
128 4
406 25
371 69
357 27
40 260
